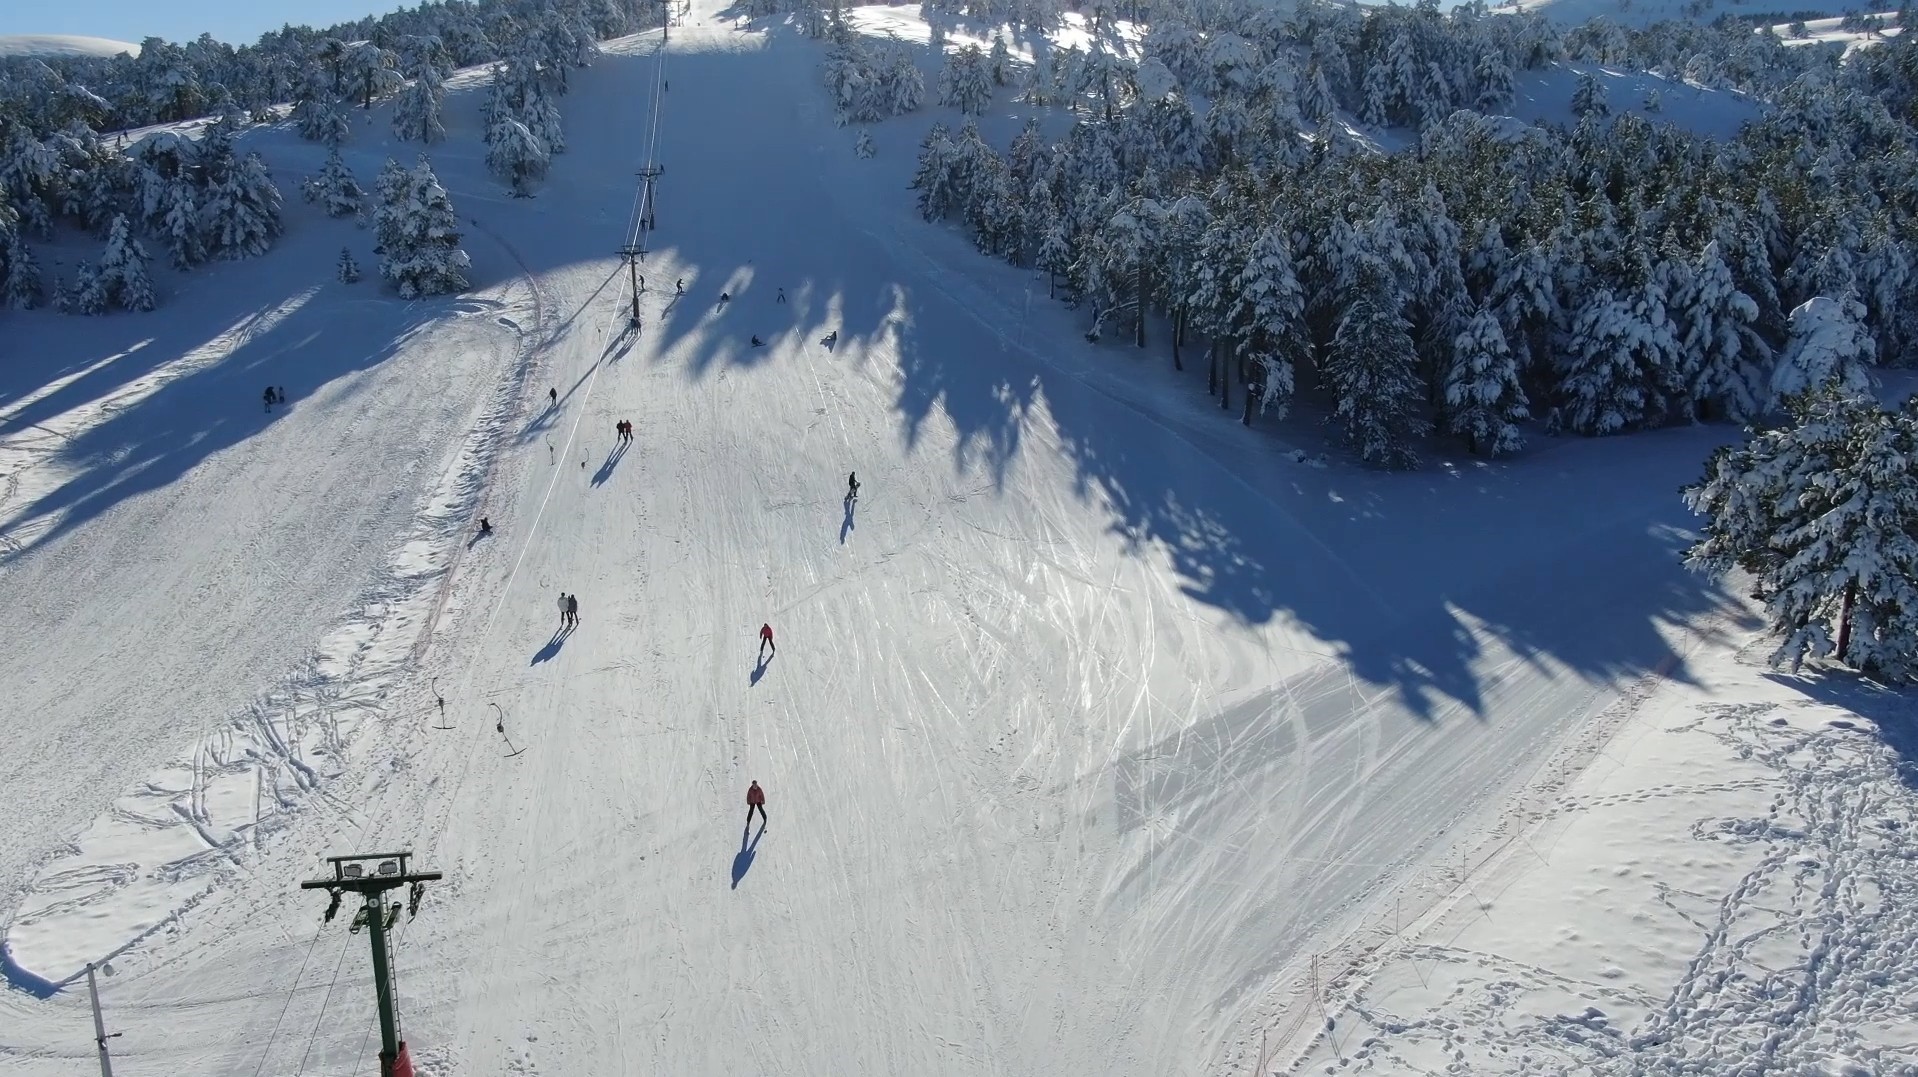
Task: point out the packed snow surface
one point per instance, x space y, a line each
1094 721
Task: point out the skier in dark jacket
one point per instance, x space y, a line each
572 609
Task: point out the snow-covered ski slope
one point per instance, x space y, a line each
1092 723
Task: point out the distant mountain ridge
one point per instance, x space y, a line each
63 45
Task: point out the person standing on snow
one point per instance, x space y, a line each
562 609
553 395
269 399
572 610
782 295
755 802
852 486
766 640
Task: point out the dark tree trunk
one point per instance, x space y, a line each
1844 620
1245 390
1178 336
1212 368
1225 384
1138 314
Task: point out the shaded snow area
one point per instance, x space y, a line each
1727 889
1104 732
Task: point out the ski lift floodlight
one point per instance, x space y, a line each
351 871
389 867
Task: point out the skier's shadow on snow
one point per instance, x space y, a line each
760 669
845 525
552 646
743 862
612 461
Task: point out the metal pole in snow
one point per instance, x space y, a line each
99 1024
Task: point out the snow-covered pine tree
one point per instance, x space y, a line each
1823 514
21 288
87 296
122 275
1037 89
902 88
542 117
1524 298
418 112
239 207
1717 331
934 177
371 71
1589 98
1483 399
999 60
1269 316
28 171
348 269
389 194
1372 369
316 110
424 257
1599 377
335 189
515 155
966 82
180 226
1829 345
863 147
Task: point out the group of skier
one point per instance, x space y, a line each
569 603
274 396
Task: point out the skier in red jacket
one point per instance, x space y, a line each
766 640
755 802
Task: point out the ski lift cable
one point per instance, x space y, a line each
638 220
288 1004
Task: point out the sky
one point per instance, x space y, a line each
237 22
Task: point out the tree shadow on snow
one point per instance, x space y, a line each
1893 711
176 387
743 860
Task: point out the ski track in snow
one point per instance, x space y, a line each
1788 932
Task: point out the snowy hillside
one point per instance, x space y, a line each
1645 12
49 45
1105 734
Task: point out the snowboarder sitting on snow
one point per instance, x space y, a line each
725 297
758 343
269 398
485 527
831 338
